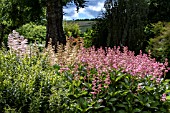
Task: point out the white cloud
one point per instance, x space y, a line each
98 7
92 10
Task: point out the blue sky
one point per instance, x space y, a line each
93 10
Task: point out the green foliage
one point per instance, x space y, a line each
19 12
29 85
159 44
159 10
158 28
85 24
155 29
88 37
125 94
122 24
71 29
15 13
33 32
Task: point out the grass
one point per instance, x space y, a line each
84 25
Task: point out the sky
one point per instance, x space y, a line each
92 10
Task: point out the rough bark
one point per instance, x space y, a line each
54 23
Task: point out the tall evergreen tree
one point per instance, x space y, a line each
159 10
125 21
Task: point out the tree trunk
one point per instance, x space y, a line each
54 23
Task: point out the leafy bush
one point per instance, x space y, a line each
71 29
113 91
115 81
29 84
88 38
94 81
33 32
152 30
159 44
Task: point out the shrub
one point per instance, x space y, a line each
33 32
159 45
156 29
71 29
89 80
30 84
92 91
88 38
115 81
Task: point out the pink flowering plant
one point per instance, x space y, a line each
114 81
140 65
111 80
115 92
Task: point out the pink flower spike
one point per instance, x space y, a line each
93 93
163 98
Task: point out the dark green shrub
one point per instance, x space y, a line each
33 32
124 93
159 44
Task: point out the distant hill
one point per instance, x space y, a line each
84 24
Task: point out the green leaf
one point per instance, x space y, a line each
126 80
146 112
124 93
106 109
163 110
114 109
85 84
109 103
85 110
154 104
113 99
168 98
92 103
167 91
84 104
121 111
136 110
167 80
117 92
121 105
147 104
97 105
149 88
125 85
79 108
119 77
140 97
81 100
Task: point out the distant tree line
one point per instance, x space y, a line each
92 19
